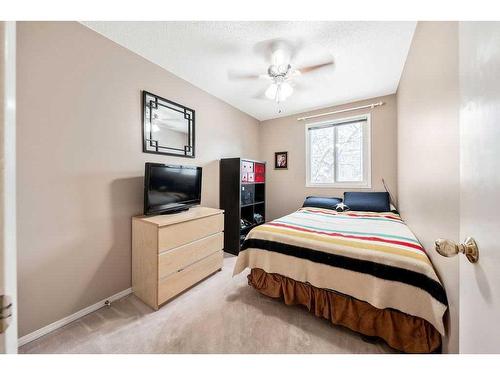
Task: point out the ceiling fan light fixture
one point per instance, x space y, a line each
285 90
152 128
271 91
279 91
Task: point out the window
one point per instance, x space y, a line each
338 153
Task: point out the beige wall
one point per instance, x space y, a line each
80 162
428 149
286 189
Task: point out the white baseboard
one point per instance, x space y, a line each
62 322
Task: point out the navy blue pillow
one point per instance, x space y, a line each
322 202
370 201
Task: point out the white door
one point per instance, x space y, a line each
479 56
8 274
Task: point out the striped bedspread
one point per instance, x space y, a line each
371 256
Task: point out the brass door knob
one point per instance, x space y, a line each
449 248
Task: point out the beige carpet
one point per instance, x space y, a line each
220 315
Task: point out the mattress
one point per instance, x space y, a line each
373 257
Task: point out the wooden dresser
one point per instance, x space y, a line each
171 253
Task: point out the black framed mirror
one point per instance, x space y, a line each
168 128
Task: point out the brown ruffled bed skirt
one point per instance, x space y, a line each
403 332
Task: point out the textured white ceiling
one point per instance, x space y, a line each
369 58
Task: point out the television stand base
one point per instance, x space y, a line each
175 210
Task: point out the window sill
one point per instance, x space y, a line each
340 186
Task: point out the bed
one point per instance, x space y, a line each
362 270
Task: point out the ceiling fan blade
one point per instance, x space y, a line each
300 86
312 68
242 76
261 95
267 48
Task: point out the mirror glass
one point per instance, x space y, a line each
168 127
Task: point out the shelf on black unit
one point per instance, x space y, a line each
251 204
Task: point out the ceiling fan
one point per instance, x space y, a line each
281 72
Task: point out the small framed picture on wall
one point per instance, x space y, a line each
281 160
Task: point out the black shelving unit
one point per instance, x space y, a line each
241 199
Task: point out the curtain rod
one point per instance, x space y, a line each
373 105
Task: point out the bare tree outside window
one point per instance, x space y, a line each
349 152
336 153
322 155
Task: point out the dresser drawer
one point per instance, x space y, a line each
174 284
176 235
176 259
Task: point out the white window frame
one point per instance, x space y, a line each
367 154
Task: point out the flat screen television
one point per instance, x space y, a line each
170 188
